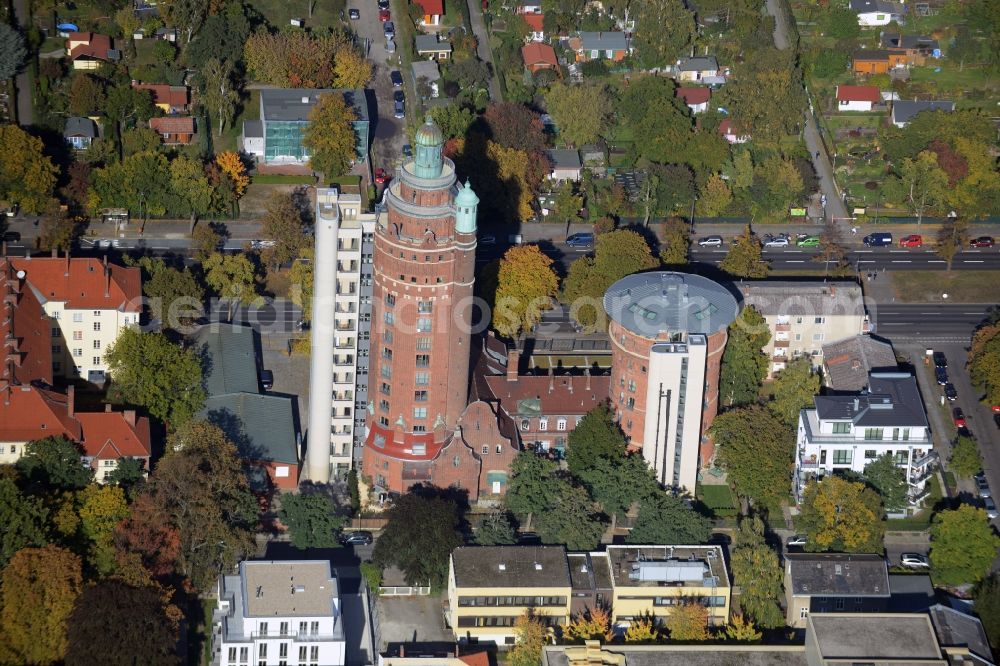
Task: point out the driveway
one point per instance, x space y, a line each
835 208
25 107
389 134
483 49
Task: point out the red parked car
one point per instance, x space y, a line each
913 240
383 15
982 241
959 417
381 177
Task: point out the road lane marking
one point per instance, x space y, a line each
972 261
795 261
901 261
936 261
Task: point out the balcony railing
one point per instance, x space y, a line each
781 343
782 328
927 458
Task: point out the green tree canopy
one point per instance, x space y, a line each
27 175
889 479
842 516
419 537
676 242
757 570
24 519
793 389
582 113
617 482
311 520
617 254
330 136
744 258
532 479
756 450
526 284
497 529
744 364
12 51
283 225
987 607
984 362
665 519
664 30
175 295
965 459
150 371
233 277
963 546
572 518
596 436
54 463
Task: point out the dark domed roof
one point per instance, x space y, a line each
429 134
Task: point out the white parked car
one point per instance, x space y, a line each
797 541
711 241
914 561
777 242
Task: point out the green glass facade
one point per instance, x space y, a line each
283 141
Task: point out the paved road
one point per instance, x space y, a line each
483 48
926 322
25 107
865 259
835 208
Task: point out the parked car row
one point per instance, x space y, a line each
908 560
884 239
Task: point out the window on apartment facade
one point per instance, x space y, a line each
390 300
283 650
232 654
423 325
561 424
387 337
820 320
386 389
543 424
870 454
841 456
486 450
78 335
283 628
525 424
97 325
56 349
55 332
78 352
423 344
303 651
386 353
314 653
77 317
803 613
419 428
97 344
419 449
841 428
383 405
631 385
97 313
840 604
386 372
384 422
901 457
423 360
422 378
817 337
262 629
420 412
873 433
389 318
425 307
420 396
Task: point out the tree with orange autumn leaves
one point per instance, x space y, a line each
302 60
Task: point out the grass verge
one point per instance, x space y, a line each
279 179
929 286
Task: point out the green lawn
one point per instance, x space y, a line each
279 13
718 498
277 179
928 286
951 78
229 139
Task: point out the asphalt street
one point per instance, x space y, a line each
924 321
865 259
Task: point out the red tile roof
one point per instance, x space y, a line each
693 96
172 125
112 435
859 94
431 7
83 283
96 46
476 659
29 412
534 21
559 395
175 96
535 53
24 331
726 127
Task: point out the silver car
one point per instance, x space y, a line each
914 561
711 241
982 486
991 507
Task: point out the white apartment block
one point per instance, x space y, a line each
279 613
803 316
847 432
87 303
346 342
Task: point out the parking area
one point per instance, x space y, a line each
413 619
389 133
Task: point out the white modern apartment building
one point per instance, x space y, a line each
341 323
87 303
847 432
279 613
803 316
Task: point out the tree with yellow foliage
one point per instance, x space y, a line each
350 68
742 630
642 630
842 516
330 136
688 621
591 624
27 175
530 633
232 165
101 509
525 288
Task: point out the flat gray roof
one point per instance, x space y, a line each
838 574
904 110
666 302
430 44
296 588
709 654
812 299
565 158
511 566
892 399
956 629
874 636
294 104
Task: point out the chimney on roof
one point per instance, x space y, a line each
107 278
107 408
402 651
129 415
66 274
857 404
71 400
55 252
586 373
552 379
513 359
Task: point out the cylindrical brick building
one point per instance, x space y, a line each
668 331
422 297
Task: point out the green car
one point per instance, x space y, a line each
809 241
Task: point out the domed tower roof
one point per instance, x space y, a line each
466 197
466 203
429 133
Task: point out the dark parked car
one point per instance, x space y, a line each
942 375
356 538
354 14
267 379
396 78
584 240
950 392
407 150
940 361
398 96
399 109
982 241
389 29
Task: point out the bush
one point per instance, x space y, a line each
372 575
594 68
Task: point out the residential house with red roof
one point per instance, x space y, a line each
88 50
171 99
86 304
30 407
538 57
857 98
695 98
536 26
731 133
433 10
174 130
